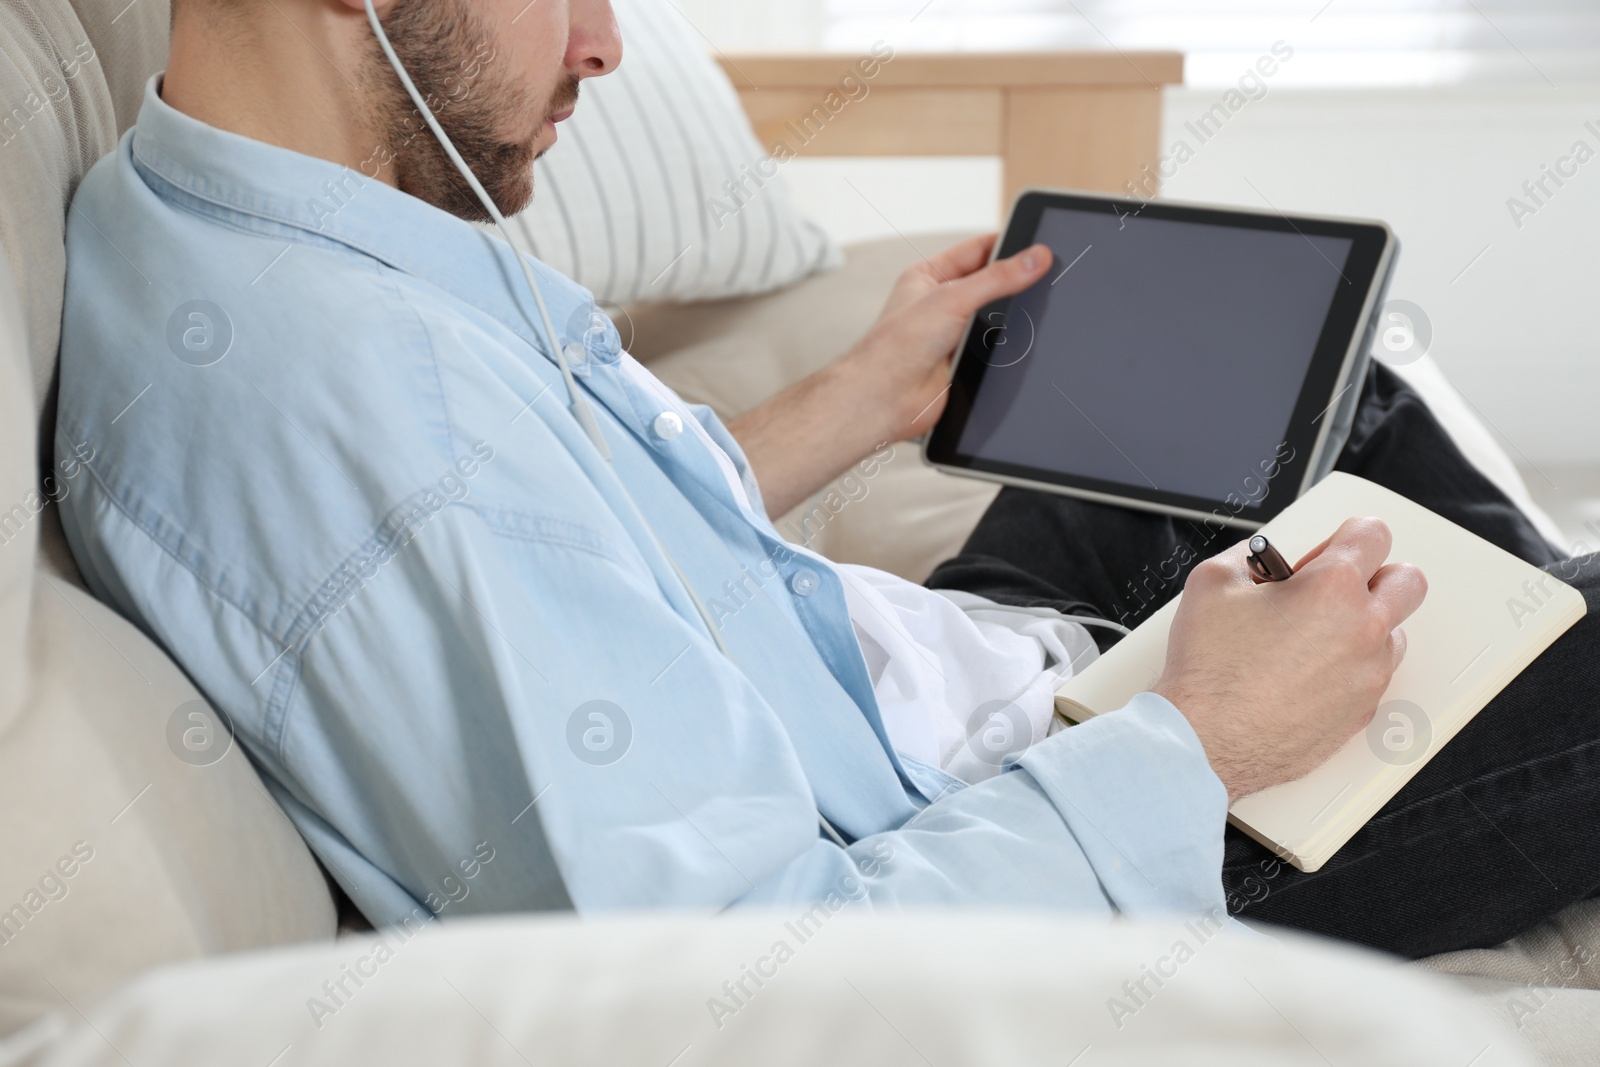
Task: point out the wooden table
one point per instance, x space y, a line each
1077 120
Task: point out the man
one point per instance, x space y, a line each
337 474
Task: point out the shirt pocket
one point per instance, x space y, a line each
550 530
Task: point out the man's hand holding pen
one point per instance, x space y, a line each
1274 675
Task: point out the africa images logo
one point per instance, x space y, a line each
199 332
1400 733
599 733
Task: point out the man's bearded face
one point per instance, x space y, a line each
497 124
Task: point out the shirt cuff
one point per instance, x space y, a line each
1135 788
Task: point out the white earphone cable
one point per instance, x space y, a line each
581 409
580 404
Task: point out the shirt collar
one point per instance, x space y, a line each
259 186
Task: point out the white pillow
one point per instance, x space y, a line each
627 201
832 984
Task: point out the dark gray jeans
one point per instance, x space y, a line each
1500 830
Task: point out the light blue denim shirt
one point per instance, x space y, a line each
334 473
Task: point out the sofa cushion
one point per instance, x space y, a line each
20 503
135 832
130 44
58 120
1561 952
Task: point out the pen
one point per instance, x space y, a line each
1267 563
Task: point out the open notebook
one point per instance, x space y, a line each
1487 616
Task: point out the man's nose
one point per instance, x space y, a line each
594 44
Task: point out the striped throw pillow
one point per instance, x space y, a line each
658 189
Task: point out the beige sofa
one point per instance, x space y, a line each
136 835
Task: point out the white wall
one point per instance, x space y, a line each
1516 332
757 25
861 200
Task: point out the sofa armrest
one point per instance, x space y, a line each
1076 120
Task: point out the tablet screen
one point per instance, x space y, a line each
1238 319
1172 355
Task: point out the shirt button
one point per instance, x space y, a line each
667 425
577 354
804 582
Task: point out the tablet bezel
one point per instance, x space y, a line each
1321 418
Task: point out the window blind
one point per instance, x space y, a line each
1336 42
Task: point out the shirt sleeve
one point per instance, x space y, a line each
1126 816
551 705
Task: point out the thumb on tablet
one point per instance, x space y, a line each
1002 278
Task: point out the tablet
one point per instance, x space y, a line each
1198 361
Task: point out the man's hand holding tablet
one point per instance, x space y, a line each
892 384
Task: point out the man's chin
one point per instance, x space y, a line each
506 174
515 197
